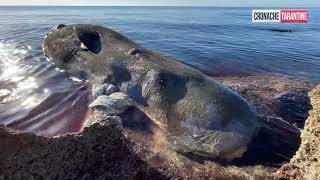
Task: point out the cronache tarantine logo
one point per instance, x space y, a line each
280 16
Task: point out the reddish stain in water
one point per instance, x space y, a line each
60 113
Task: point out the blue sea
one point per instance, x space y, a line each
219 41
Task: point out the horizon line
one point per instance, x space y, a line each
39 5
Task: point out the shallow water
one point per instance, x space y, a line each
220 41
35 96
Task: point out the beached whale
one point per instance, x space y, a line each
197 114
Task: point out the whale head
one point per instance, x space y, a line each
84 50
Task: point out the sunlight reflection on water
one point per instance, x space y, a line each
10 56
37 97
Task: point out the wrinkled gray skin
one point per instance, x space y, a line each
198 114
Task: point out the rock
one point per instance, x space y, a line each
289 171
293 106
99 152
275 143
116 103
283 105
104 89
307 158
119 95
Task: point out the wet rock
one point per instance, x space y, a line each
293 106
104 89
116 103
283 106
275 143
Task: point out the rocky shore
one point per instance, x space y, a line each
306 162
99 152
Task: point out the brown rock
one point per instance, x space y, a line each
289 171
99 152
308 156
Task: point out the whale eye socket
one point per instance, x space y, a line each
91 40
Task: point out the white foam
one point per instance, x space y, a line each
75 79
